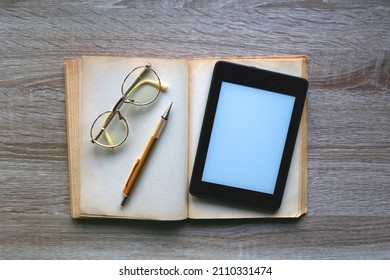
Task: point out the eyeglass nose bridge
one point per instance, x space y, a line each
119 104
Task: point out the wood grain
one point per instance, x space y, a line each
349 147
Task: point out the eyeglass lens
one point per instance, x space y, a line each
112 134
141 87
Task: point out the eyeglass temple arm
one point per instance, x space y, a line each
146 68
108 137
105 124
156 84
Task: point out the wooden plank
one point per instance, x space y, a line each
349 147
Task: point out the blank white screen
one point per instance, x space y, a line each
248 138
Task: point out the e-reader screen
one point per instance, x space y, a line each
248 135
236 160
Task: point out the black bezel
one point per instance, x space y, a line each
257 78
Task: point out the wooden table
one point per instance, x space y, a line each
348 43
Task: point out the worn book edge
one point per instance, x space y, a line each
73 84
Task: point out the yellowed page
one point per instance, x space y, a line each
159 193
200 77
73 85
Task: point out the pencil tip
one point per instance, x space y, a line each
124 201
165 115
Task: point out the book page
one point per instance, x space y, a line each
159 193
200 77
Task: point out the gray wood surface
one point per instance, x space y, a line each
348 43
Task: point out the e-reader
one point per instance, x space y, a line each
248 135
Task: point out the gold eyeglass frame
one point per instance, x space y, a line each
125 99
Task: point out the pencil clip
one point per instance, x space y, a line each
134 167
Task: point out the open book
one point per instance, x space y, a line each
97 175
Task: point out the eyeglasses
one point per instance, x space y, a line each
140 87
